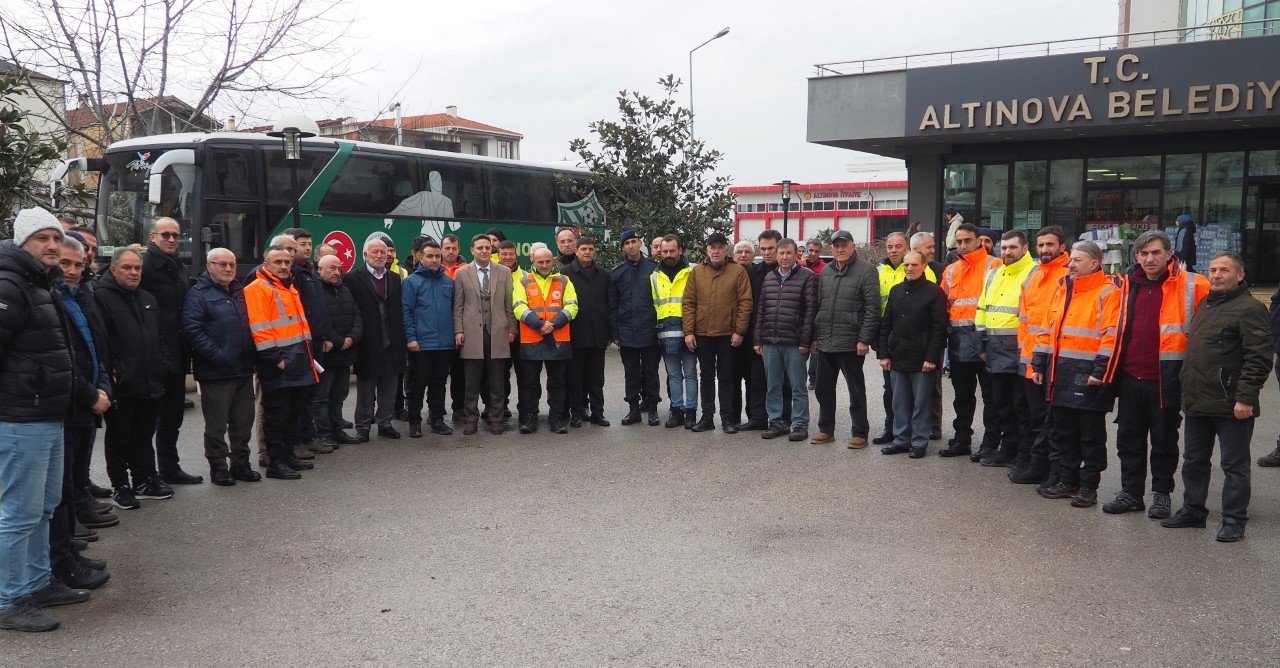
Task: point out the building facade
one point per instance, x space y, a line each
867 209
440 132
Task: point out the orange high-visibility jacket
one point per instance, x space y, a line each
280 333
1033 304
1182 293
545 306
1079 341
962 281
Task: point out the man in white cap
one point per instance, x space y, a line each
37 379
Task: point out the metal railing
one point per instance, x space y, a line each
1211 31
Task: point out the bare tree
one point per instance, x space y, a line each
218 56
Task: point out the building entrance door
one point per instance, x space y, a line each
1265 237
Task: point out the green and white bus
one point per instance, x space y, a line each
234 190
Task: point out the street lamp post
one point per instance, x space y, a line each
292 130
786 204
715 37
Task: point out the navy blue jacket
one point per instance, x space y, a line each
216 325
426 300
635 321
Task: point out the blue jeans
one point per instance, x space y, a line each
31 477
912 407
682 379
786 362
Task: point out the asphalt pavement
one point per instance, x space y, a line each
647 546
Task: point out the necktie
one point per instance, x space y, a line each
484 280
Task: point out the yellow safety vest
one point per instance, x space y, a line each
668 301
998 305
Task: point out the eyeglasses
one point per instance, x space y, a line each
225 265
167 235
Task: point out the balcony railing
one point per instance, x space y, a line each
1209 31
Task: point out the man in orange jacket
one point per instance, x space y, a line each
1158 298
285 368
962 281
1076 347
1035 458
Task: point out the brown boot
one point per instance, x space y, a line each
319 447
301 452
470 427
263 460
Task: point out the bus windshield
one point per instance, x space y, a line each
124 215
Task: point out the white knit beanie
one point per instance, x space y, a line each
30 221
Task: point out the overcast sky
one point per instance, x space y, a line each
547 68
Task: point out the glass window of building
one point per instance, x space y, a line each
1264 163
1138 168
1028 194
1181 187
995 197
1223 194
960 188
1066 181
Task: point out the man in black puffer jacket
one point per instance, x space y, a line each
913 332
783 334
141 361
346 326
37 378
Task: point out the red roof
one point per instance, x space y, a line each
82 117
430 121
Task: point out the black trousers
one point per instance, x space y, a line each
1233 437
428 370
586 382
1139 416
457 383
1035 445
1080 437
531 387
131 425
169 422
280 410
716 367
228 409
850 364
62 526
1012 413
967 378
514 367
887 398
640 370
326 409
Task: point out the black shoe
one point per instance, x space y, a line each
362 435
707 423
82 577
1031 474
125 499
299 464
180 477
917 453
528 424
675 419
95 564
388 432
98 492
883 438
153 488
895 449
773 431
956 449
348 424
1230 533
653 417
997 460
556 425
245 473
85 533
1123 503
1271 459
1183 519
56 593
575 421
1160 506
1085 497
188 404
982 453
402 415
282 472
439 427
1058 490
79 545
343 438
632 417
100 507
798 434
690 417
935 434
95 520
599 421
415 430
728 427
753 425
222 478
22 616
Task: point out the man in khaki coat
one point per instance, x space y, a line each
484 326
717 312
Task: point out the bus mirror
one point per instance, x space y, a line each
155 186
60 173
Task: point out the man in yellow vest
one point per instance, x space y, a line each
669 283
544 302
997 323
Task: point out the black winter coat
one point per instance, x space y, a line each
913 329
344 321
311 290
382 344
593 327
165 277
784 315
37 372
635 320
85 393
216 325
756 274
848 306
1228 355
141 358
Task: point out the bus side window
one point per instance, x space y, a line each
463 185
524 195
372 185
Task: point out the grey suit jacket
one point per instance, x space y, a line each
469 311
